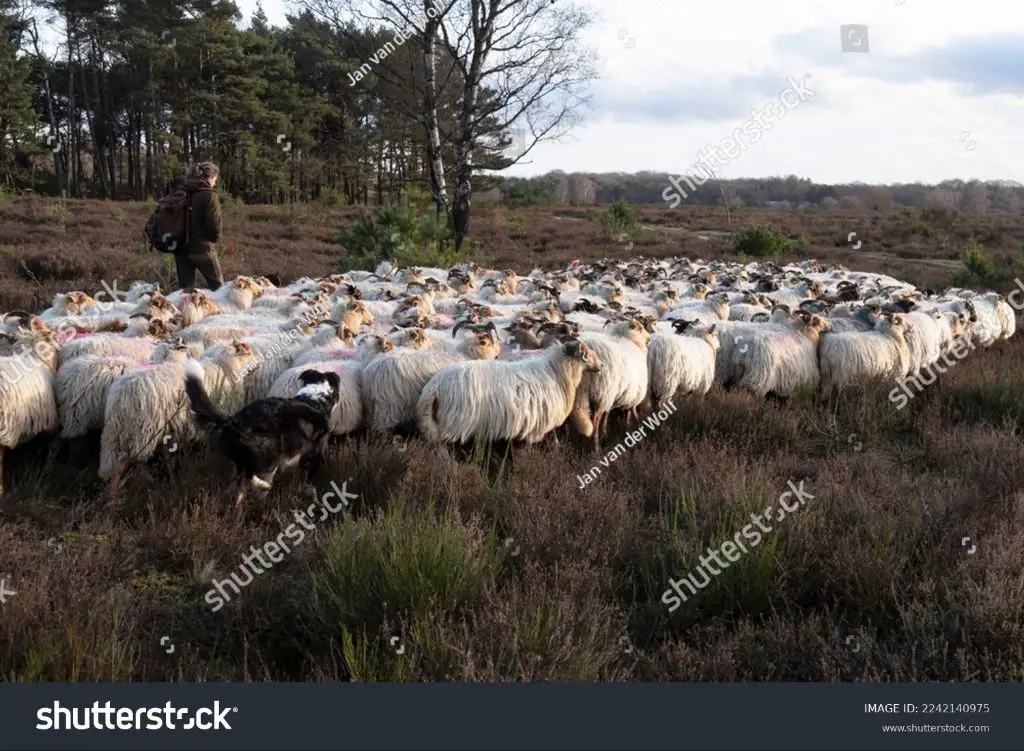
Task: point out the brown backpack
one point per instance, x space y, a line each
167 228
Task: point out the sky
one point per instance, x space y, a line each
939 93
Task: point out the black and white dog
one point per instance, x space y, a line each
269 434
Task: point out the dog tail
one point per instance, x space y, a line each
206 414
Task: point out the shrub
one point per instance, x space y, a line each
529 193
400 233
515 224
978 268
620 219
762 240
404 562
331 197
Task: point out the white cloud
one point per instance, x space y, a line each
895 114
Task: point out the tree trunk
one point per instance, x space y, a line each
58 167
437 186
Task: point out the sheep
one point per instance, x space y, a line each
143 406
273 356
924 339
711 310
352 315
774 359
196 306
622 381
237 295
68 304
1007 317
393 383
414 338
81 390
136 343
347 415
28 407
993 317
492 400
684 361
855 357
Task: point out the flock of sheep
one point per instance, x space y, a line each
466 353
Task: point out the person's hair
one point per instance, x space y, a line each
204 170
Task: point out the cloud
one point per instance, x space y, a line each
977 66
708 101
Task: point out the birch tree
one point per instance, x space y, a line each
515 72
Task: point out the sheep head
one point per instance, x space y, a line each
248 284
156 329
374 344
241 349
575 349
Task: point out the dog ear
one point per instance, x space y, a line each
334 379
306 377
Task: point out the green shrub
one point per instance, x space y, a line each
978 268
762 240
404 563
331 197
515 224
619 220
528 193
407 237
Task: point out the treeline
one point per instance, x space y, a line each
779 192
131 91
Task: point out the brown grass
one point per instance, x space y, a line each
498 567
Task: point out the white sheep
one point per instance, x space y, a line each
774 359
81 390
137 343
146 405
711 310
492 400
621 382
392 384
28 407
850 358
683 361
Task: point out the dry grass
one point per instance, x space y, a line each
576 593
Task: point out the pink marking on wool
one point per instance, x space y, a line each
341 354
444 322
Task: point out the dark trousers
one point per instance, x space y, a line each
205 262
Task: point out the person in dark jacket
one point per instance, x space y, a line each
203 229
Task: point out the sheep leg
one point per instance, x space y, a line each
243 482
53 455
3 450
598 421
116 478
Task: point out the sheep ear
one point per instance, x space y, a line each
712 329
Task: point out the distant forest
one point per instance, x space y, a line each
779 192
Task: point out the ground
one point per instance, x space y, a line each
906 565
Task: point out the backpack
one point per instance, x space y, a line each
167 229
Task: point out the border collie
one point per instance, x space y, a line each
269 434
